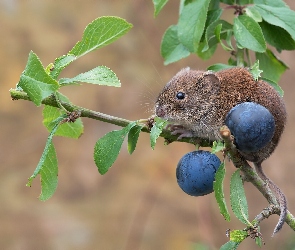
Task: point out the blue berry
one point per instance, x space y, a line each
252 125
195 172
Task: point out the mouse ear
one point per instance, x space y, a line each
209 83
210 77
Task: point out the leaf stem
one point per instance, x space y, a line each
240 57
59 104
248 58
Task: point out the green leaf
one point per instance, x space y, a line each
156 130
229 35
217 146
278 16
276 3
108 147
49 173
244 2
219 66
210 37
277 37
220 34
67 129
213 15
248 34
229 2
205 55
238 199
240 2
171 48
35 81
258 241
99 33
60 63
101 75
158 5
255 71
250 11
219 193
232 62
238 235
214 5
274 85
133 138
230 246
272 67
181 5
191 23
47 166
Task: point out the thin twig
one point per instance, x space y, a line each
251 176
69 107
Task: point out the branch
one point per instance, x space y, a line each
147 123
237 159
251 176
51 101
272 209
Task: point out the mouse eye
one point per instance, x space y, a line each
180 95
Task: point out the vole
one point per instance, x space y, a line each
197 102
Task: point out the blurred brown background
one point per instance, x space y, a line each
137 204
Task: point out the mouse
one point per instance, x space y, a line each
195 103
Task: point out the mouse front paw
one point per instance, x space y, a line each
180 130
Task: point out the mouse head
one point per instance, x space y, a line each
190 96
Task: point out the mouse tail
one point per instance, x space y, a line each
279 195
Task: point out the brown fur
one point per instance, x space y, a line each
210 96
